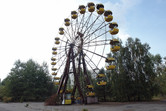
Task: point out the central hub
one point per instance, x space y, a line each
80 40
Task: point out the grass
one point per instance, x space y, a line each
84 109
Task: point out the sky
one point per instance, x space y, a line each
28 27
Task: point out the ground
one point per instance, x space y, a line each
108 106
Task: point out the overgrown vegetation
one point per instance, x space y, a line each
27 81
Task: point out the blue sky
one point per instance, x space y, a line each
144 19
147 21
28 27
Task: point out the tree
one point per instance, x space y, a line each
160 69
134 76
29 81
100 90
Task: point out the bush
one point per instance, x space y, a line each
7 99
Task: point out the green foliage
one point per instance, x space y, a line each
84 109
28 82
4 92
134 76
160 69
2 88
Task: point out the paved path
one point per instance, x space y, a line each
2 109
111 106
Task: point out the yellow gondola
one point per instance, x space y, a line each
109 59
67 22
56 83
100 9
82 9
109 18
54 48
53 59
54 73
107 12
91 7
53 63
74 15
90 86
110 67
115 45
113 25
100 75
54 53
68 101
61 29
57 42
78 98
101 83
56 78
108 15
54 69
68 91
61 32
90 94
114 41
114 31
57 38
115 48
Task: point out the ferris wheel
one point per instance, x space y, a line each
80 49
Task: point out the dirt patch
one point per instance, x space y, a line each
104 106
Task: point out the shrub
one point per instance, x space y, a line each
7 99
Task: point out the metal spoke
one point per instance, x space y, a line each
99 28
92 24
97 45
95 53
91 61
67 32
99 36
90 66
61 65
60 58
82 20
91 32
97 41
86 22
61 52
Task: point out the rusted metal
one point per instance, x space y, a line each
65 72
75 75
85 70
